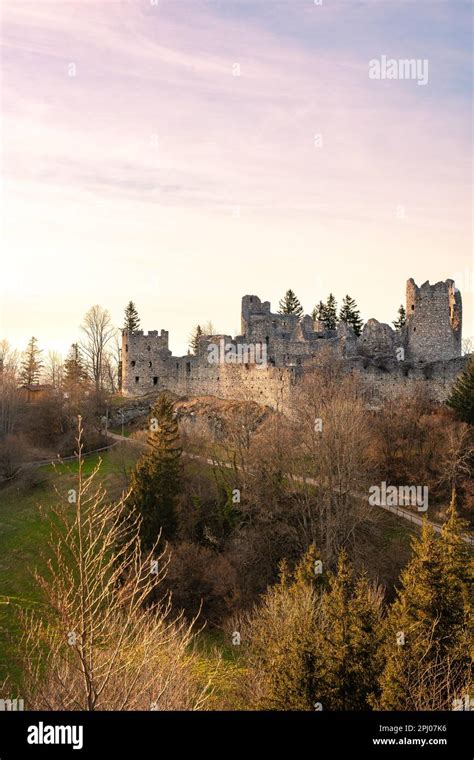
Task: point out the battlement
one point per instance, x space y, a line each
137 334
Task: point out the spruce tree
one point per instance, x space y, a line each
74 370
318 313
281 655
426 648
32 363
461 399
350 314
402 318
156 481
408 625
132 320
347 639
330 313
194 340
289 304
456 564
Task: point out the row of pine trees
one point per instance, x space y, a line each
327 312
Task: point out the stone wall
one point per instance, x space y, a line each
390 379
194 376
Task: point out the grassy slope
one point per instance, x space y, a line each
24 533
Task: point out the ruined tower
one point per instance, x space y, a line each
145 361
434 321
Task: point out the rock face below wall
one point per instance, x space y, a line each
212 413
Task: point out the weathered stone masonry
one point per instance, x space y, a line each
427 349
434 321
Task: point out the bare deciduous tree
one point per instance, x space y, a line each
333 427
208 328
111 366
54 369
457 455
9 397
98 332
468 346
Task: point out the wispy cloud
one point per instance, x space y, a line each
156 138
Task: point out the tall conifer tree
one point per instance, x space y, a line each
347 638
330 313
132 320
426 649
401 319
318 313
462 395
156 481
290 304
32 363
194 339
74 370
350 314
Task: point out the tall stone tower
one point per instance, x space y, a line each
254 311
145 361
434 321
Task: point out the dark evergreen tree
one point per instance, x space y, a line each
289 304
281 640
350 314
347 639
32 363
318 312
426 651
74 369
156 481
330 313
132 320
402 318
461 399
194 340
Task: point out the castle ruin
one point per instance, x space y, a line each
427 347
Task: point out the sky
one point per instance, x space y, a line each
183 153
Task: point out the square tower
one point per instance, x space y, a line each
434 321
